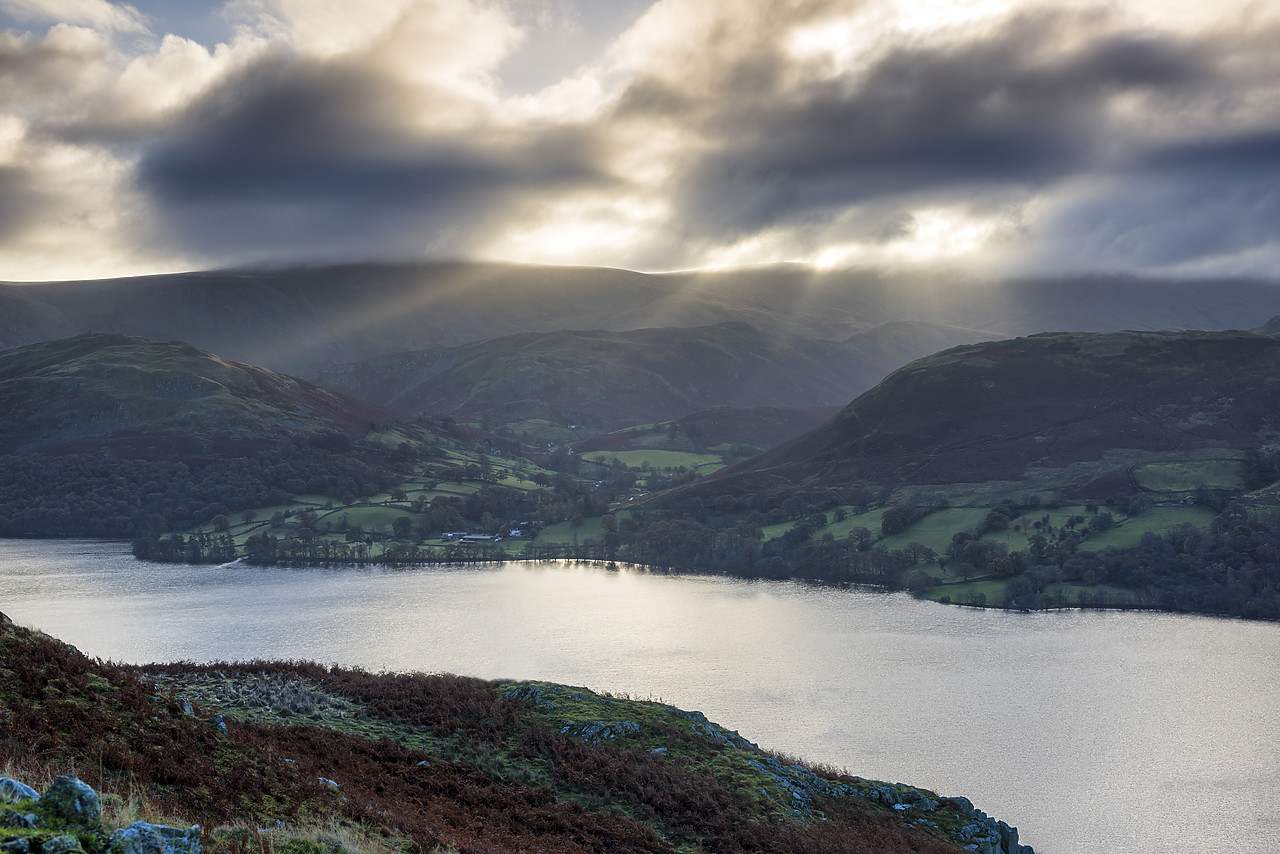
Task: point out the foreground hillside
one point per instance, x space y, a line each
303 759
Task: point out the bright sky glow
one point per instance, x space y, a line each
1002 135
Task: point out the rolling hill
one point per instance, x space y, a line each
1067 411
118 390
303 320
609 380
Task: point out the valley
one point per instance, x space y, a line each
1049 471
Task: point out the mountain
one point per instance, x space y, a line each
753 428
303 320
617 379
111 435
118 390
1071 411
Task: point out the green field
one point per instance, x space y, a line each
936 529
1186 476
564 532
658 459
869 520
962 593
368 517
1158 520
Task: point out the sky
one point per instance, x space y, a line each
1003 137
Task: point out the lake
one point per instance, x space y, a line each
1089 731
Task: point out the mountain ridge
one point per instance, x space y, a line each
301 320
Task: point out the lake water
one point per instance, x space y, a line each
1091 732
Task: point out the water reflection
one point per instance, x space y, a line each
1094 732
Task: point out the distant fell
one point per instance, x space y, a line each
609 380
302 320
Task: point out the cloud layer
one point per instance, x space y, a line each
992 134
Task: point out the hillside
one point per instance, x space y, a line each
1069 411
609 380
303 320
297 758
109 435
122 390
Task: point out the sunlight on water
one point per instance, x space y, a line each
1093 732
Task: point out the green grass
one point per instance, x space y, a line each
962 592
1158 520
1186 476
659 459
869 520
368 517
564 532
934 530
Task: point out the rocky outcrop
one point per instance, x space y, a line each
144 838
67 819
72 801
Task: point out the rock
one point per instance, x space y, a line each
330 783
11 790
16 846
424 764
659 751
961 805
61 845
593 732
144 838
72 801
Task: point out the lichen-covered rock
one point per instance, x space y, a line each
12 791
61 845
72 801
144 838
593 732
16 846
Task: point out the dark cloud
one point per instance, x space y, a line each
1180 205
1009 111
332 156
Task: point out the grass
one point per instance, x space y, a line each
564 532
963 592
935 530
659 459
1186 476
869 520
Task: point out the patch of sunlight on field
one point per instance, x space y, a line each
1186 476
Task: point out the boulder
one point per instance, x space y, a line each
144 838
61 845
72 801
11 790
593 732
